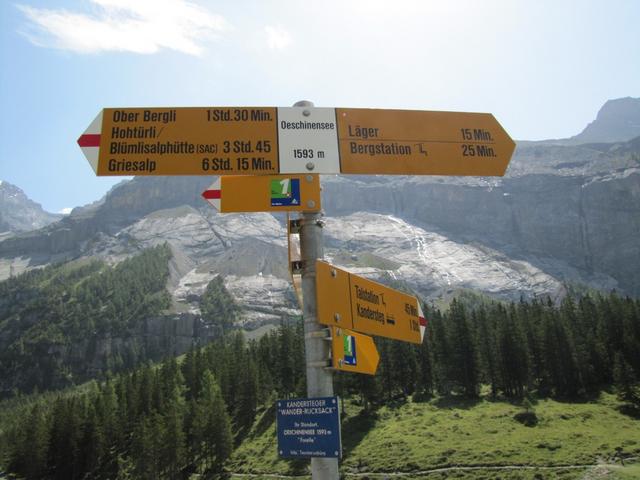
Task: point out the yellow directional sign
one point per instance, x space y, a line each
353 352
294 140
182 141
413 142
265 193
353 302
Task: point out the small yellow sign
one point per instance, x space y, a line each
265 193
353 302
353 352
414 142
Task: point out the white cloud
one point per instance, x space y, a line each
277 37
139 26
65 211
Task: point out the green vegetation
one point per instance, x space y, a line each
627 472
166 421
217 305
526 386
51 319
455 432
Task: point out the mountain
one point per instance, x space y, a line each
618 120
564 215
18 213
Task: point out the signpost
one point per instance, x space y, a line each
353 352
309 428
271 141
265 193
266 159
349 301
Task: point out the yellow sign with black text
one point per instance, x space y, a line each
414 142
294 140
349 301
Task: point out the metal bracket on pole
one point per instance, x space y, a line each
294 226
324 334
322 364
297 266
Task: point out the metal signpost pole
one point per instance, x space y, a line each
317 349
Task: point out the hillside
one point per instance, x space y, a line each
443 438
515 392
67 323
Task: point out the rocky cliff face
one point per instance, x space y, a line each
562 214
574 228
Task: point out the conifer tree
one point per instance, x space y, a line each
190 373
594 355
146 448
65 438
31 445
403 367
173 443
626 382
531 319
514 359
385 369
487 349
285 361
218 306
248 398
212 431
561 364
93 443
631 333
441 354
425 373
222 436
463 357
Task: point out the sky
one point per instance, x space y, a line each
543 68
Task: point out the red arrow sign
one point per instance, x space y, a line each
213 194
89 140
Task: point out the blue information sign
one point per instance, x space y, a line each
309 427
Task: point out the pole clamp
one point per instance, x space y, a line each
297 266
320 364
325 334
294 226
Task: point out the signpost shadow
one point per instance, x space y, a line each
355 428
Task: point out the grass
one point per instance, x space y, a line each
415 438
627 472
